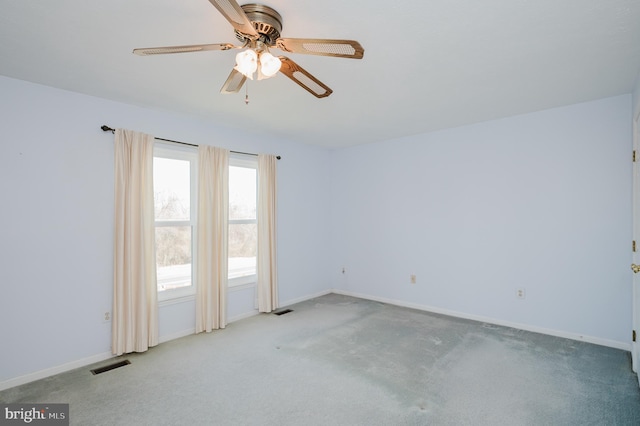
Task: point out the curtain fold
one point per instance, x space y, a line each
135 309
212 239
266 215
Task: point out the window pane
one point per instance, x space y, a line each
171 188
242 193
173 257
242 249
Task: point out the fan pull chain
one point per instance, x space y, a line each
246 93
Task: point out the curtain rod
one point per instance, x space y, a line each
109 129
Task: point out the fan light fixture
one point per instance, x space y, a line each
251 60
258 28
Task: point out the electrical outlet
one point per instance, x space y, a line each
520 293
107 316
412 278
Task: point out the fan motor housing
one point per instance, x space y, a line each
266 21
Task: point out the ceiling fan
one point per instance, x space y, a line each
258 28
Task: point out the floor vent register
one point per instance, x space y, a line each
110 367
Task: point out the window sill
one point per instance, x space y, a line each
242 281
176 300
236 284
240 286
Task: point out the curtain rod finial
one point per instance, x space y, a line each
107 129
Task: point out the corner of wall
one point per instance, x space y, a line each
636 97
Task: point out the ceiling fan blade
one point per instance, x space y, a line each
183 49
234 82
236 17
302 77
324 47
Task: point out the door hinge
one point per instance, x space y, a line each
633 245
634 156
633 336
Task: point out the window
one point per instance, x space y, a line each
174 188
243 228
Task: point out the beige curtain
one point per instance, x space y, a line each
267 259
212 246
135 309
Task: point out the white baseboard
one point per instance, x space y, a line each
17 381
190 331
176 335
281 304
573 336
47 372
243 316
305 298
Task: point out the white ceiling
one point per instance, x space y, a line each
428 64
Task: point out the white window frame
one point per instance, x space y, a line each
251 162
187 153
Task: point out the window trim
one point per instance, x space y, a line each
250 162
188 153
185 153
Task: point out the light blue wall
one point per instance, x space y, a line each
539 201
636 97
56 181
